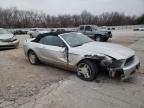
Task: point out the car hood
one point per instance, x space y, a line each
6 36
44 31
113 50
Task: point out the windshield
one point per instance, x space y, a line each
2 31
94 27
42 29
76 39
38 29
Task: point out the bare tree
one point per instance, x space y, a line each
14 18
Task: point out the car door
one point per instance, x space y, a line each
88 31
53 50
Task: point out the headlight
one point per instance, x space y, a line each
13 38
117 63
8 40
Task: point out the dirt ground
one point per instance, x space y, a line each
20 79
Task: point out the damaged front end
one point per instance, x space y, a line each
120 69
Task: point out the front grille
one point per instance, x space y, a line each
7 46
129 61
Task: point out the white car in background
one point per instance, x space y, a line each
34 32
7 39
139 29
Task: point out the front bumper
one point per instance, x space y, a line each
107 36
127 71
4 45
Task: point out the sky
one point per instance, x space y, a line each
96 7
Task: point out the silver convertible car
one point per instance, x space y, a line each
7 39
77 52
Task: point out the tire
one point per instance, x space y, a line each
98 38
90 68
33 58
105 39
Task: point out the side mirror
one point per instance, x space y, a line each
66 49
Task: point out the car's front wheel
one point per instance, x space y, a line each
33 58
105 39
87 70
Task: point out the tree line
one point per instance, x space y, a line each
14 18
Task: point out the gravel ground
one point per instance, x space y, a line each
20 80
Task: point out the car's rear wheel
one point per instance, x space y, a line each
33 58
87 70
98 38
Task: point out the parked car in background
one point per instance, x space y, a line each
34 32
107 28
139 29
95 33
7 39
77 52
110 28
19 32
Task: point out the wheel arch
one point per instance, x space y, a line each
37 58
29 50
95 60
91 72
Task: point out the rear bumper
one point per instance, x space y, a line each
4 45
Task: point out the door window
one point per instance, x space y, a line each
52 40
88 28
81 27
